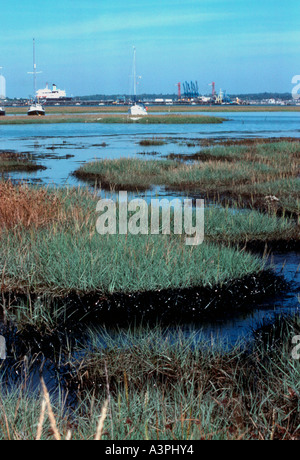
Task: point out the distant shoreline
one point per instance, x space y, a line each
61 109
122 118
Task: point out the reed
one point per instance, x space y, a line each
111 119
157 108
143 383
250 174
68 260
49 244
153 141
17 162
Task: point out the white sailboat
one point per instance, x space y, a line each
137 109
36 108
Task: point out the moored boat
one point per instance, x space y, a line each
36 109
137 109
2 111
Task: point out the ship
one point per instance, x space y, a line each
2 111
53 94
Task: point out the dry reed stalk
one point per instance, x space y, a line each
273 425
6 421
68 435
102 418
26 206
108 396
41 420
50 412
22 205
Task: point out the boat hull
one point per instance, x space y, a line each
35 113
137 110
36 110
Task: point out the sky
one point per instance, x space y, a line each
86 46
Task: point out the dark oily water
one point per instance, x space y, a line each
223 331
231 329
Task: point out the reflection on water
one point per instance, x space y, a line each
240 325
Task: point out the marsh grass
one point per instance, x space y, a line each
197 386
157 108
64 261
49 244
235 226
150 153
248 173
27 207
153 141
159 384
198 176
112 118
15 162
164 119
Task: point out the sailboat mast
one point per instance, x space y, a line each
134 73
34 70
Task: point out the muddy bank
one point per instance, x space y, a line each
112 118
11 161
250 141
280 245
172 306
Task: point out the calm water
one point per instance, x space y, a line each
241 324
62 148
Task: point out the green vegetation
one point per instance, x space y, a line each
146 383
247 173
233 226
158 384
64 261
165 119
113 118
157 108
142 382
53 247
16 162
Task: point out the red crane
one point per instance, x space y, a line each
179 90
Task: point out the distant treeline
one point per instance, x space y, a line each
122 97
261 96
248 96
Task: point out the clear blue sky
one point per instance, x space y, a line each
85 46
